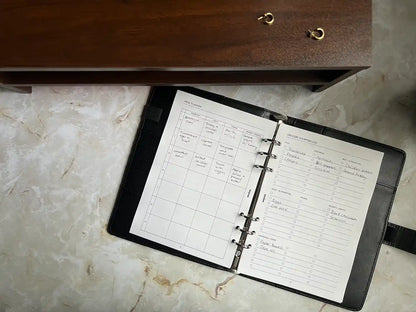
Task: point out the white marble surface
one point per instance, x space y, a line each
63 152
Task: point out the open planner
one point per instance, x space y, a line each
276 199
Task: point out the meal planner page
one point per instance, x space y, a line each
312 210
202 176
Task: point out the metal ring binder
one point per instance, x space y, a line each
240 244
278 143
248 217
245 230
280 118
263 167
266 153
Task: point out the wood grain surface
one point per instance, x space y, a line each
184 36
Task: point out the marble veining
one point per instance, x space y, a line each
62 156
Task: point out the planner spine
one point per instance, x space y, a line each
249 217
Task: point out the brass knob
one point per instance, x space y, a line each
317 34
267 18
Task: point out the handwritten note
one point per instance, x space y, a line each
201 178
312 211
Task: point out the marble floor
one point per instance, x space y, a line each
62 156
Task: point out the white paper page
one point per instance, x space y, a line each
201 178
312 211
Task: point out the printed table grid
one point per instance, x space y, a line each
236 133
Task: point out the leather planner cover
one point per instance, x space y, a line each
144 149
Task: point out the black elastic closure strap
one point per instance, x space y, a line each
400 237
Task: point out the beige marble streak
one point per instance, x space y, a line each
63 152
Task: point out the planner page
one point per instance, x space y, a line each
312 211
202 176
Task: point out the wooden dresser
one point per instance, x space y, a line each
161 42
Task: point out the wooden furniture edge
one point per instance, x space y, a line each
318 79
320 88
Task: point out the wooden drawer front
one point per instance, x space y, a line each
220 34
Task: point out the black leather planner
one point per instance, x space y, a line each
376 228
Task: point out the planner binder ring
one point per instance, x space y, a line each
280 118
240 244
245 230
268 154
248 217
263 167
272 141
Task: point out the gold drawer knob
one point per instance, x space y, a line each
267 18
317 34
